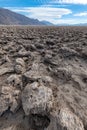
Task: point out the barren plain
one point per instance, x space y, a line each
43 78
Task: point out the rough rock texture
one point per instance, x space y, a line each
43 78
15 80
8 99
6 70
64 119
37 99
19 66
68 120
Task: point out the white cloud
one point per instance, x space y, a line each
70 1
53 15
52 4
49 12
44 13
81 14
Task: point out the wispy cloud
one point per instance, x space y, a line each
81 14
69 1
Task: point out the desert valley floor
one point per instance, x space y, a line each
43 78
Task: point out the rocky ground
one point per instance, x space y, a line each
43 78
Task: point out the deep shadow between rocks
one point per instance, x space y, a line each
38 121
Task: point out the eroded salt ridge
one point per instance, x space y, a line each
43 78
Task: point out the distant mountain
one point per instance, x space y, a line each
80 24
47 23
8 17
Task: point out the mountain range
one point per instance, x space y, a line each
8 17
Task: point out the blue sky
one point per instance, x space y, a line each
55 11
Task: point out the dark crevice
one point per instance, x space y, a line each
39 122
6 112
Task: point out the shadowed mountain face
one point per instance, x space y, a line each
8 17
47 23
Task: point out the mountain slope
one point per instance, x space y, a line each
8 17
47 23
